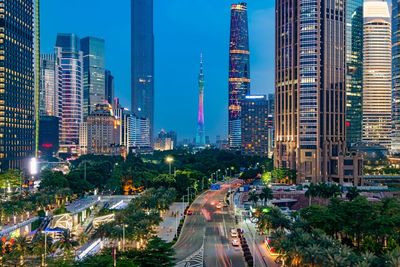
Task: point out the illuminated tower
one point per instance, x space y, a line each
377 73
200 137
239 71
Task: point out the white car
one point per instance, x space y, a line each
235 242
234 233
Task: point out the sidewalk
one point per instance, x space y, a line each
171 218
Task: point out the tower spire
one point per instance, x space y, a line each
200 137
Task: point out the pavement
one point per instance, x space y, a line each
171 218
205 238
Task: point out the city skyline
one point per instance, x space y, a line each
193 34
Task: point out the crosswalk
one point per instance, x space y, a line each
194 260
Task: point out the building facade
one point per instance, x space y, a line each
109 86
271 125
50 86
139 134
103 131
200 136
310 92
354 70
239 71
142 61
71 62
17 83
377 73
255 125
93 73
395 146
49 136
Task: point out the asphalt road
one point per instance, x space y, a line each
211 226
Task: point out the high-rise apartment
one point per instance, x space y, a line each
71 62
142 45
93 73
395 146
310 93
354 70
17 83
255 125
239 71
377 73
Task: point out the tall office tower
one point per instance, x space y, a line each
271 125
17 88
255 125
354 70
377 73
36 66
93 74
200 136
396 76
109 87
310 91
123 115
143 61
49 136
139 133
239 71
71 62
50 86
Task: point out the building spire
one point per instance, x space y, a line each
200 136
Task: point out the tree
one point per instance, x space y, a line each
51 181
157 253
266 194
65 244
311 192
352 193
253 197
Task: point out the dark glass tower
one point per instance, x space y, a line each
109 87
93 73
354 70
142 61
239 71
396 75
17 83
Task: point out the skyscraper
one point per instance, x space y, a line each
93 73
142 61
377 86
239 71
396 76
17 83
310 91
109 87
200 137
50 86
255 125
71 62
354 64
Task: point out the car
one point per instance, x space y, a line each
234 233
189 212
235 242
225 205
219 206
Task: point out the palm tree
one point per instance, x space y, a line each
65 244
312 191
253 197
393 258
21 246
352 193
266 194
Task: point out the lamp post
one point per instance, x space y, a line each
169 160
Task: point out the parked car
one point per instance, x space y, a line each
235 242
234 233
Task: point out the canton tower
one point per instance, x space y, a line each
200 137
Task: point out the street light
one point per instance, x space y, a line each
169 160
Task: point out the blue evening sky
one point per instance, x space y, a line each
183 28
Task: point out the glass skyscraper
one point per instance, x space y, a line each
17 83
109 86
396 76
71 62
239 71
377 73
354 64
93 73
50 86
142 45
